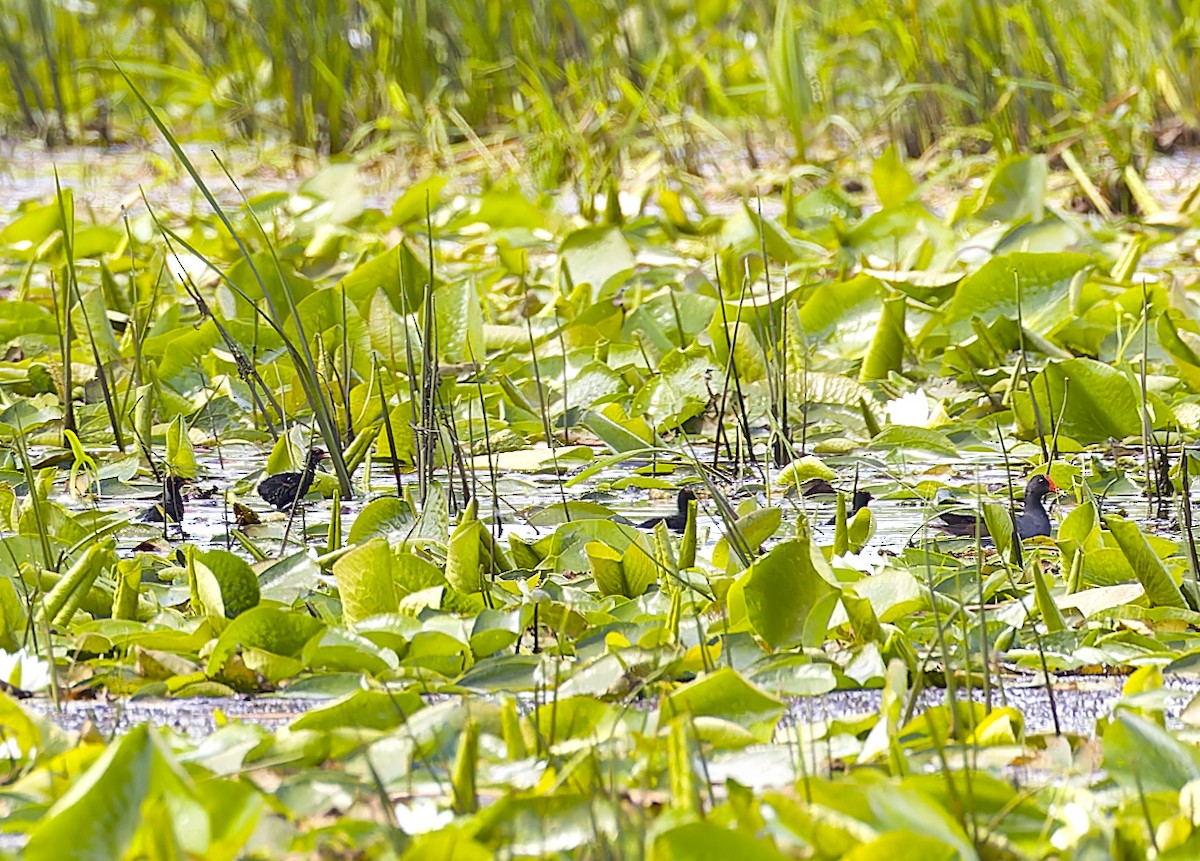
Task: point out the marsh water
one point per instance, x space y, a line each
902 518
1079 702
108 182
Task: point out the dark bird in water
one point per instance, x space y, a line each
169 508
676 522
285 489
1032 521
817 487
860 501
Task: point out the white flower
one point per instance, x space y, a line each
421 815
25 671
916 409
869 561
10 750
187 268
1076 824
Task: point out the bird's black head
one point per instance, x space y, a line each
315 456
1039 486
861 498
686 495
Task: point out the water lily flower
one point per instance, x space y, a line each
187 268
23 670
421 815
10 750
868 561
916 409
1076 824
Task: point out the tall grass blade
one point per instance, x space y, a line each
301 357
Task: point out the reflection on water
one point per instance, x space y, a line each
1079 701
105 180
901 516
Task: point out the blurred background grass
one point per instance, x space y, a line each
575 81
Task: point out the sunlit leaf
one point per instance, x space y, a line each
1039 280
365 583
1095 401
891 179
921 439
1143 756
804 469
706 841
595 255
379 710
1161 588
787 599
98 816
268 629
726 694
227 585
886 353
1015 190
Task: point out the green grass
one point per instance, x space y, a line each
576 82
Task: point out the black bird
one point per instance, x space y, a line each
1032 521
285 489
676 522
169 508
860 501
817 487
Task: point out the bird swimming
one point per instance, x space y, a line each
676 522
169 508
1032 521
860 501
283 490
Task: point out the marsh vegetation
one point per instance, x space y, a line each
792 286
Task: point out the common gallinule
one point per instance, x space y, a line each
1032 521
860 501
284 489
676 522
169 508
817 487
